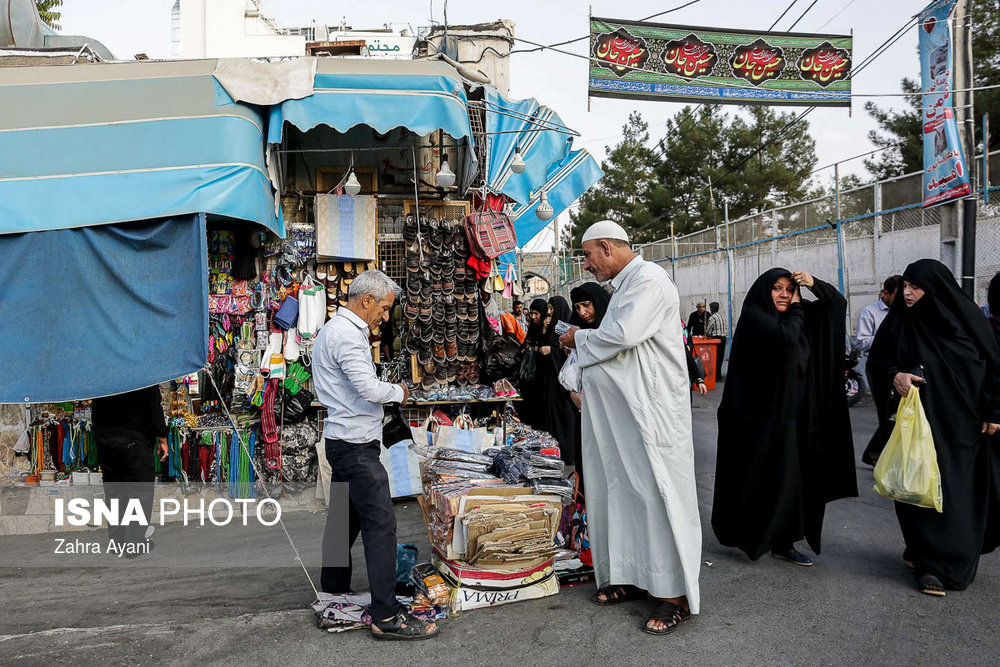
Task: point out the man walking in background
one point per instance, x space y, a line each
717 328
698 320
869 320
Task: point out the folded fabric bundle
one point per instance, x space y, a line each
540 466
556 486
447 454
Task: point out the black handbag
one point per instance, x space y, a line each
296 408
529 366
394 427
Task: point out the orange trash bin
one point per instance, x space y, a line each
707 350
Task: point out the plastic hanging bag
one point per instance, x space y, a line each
907 470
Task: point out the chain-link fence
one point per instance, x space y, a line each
882 228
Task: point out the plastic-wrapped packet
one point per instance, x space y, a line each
554 485
447 454
427 580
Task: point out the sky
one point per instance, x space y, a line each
127 27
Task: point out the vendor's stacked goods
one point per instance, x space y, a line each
441 304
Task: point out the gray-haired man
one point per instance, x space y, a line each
353 397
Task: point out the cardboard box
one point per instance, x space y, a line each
465 599
460 574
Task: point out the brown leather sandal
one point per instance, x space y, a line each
674 615
616 595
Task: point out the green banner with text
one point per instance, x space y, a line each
655 61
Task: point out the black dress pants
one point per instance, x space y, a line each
371 515
127 473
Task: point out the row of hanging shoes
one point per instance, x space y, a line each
337 277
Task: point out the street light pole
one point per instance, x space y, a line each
966 124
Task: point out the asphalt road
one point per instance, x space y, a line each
857 605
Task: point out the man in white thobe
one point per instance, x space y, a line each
638 454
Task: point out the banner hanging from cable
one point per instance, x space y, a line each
945 174
673 63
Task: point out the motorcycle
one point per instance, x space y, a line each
854 384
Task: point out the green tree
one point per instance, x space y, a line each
709 146
900 133
621 194
986 66
47 10
906 126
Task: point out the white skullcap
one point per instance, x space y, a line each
605 229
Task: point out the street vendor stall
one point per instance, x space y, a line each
190 224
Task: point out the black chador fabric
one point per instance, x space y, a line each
530 409
945 337
785 447
600 298
560 413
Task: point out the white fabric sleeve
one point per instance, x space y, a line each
639 318
356 362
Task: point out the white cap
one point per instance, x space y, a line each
605 229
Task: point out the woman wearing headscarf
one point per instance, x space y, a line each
560 414
785 446
530 408
590 304
937 337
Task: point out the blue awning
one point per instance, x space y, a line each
566 180
529 126
101 310
550 163
422 96
88 145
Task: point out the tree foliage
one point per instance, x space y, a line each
47 10
906 127
645 190
628 175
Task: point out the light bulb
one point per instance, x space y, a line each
517 165
544 210
445 176
352 186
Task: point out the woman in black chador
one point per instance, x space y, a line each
937 333
560 414
785 447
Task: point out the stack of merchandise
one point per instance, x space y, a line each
442 303
494 540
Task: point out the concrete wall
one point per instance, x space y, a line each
471 42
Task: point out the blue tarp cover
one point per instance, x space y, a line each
96 144
421 103
101 310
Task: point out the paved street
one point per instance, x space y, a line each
857 605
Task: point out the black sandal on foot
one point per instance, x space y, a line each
616 595
674 615
928 584
402 627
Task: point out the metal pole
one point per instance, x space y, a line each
840 229
729 279
963 80
986 158
673 253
